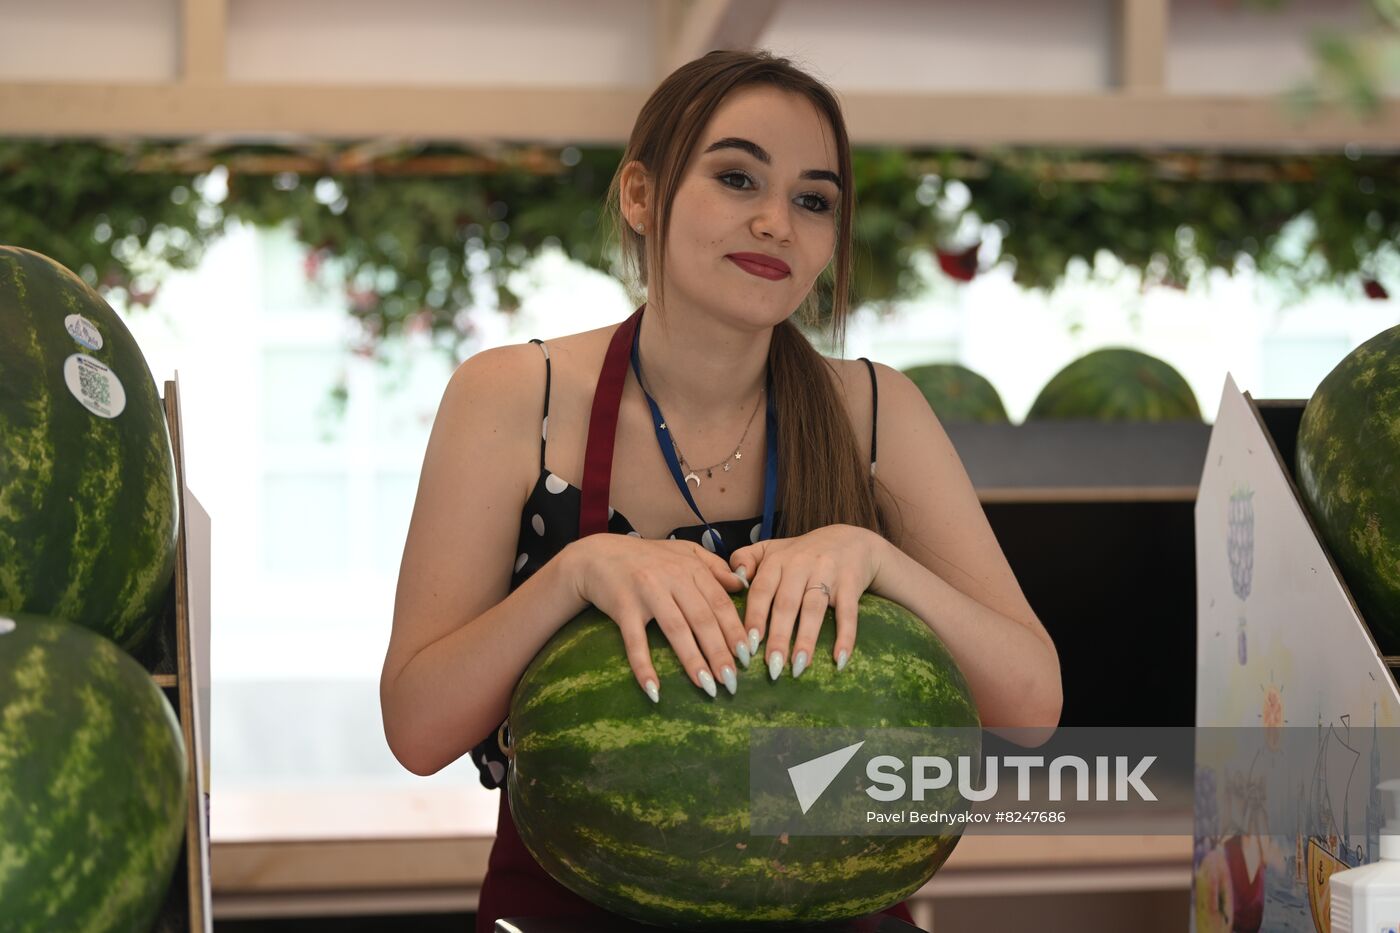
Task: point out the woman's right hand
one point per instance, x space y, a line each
681 585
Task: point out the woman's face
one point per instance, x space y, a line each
744 191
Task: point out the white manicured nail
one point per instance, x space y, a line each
653 692
842 658
743 574
708 683
731 683
742 650
799 664
753 641
775 665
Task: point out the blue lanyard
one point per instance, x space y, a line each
663 438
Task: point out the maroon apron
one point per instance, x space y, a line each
515 885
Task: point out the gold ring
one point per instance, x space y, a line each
506 747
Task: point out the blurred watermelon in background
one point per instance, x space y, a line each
1116 384
956 393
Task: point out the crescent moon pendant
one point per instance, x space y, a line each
691 476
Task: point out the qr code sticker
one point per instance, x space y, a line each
95 387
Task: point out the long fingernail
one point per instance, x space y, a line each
842 658
653 692
731 683
799 664
708 683
775 665
753 641
742 650
743 574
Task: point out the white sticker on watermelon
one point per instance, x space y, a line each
94 385
83 331
6 625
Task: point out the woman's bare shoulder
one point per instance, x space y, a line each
851 377
579 349
853 382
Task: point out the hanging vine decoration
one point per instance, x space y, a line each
1175 215
415 235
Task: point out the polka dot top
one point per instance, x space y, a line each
550 520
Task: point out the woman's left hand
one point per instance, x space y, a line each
785 577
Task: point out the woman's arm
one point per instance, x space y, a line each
459 642
946 566
1012 672
454 692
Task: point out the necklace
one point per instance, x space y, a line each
602 426
709 470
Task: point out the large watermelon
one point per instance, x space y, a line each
956 393
92 783
87 477
643 808
1348 469
1116 384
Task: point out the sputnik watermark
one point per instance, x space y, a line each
811 778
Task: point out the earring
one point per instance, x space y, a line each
640 227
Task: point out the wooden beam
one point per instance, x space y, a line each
604 116
384 156
670 14
1142 45
481 115
176 160
720 24
203 40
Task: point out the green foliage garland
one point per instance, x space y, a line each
417 234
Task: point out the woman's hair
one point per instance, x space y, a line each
824 478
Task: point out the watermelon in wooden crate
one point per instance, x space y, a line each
88 500
1348 471
90 531
93 776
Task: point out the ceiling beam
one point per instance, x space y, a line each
1141 46
719 24
604 116
203 40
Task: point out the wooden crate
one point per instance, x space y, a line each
170 657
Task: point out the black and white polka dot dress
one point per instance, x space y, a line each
550 520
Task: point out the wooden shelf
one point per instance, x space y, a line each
253 879
1011 495
1083 461
167 657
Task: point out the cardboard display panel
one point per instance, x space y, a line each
1281 648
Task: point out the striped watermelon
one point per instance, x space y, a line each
1116 384
956 393
1348 469
643 808
87 476
92 783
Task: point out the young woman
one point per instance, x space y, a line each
707 404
